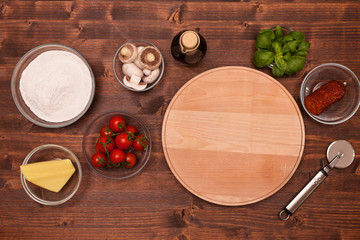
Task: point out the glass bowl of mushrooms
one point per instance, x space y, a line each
138 65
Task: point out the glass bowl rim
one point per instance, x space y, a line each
152 84
119 112
305 81
40 200
51 124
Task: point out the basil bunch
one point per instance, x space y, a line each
288 52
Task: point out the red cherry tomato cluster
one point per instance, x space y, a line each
116 143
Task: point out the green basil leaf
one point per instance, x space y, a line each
277 47
264 39
263 58
301 53
278 32
288 38
280 62
280 40
277 72
294 64
304 46
287 56
297 35
266 31
285 48
293 45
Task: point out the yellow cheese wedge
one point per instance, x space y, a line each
51 175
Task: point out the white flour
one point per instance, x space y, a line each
56 86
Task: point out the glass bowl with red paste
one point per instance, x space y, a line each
330 93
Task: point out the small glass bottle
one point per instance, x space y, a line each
188 46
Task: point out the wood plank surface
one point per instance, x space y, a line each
153 204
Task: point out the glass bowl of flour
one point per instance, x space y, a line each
52 85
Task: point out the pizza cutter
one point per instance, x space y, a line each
340 154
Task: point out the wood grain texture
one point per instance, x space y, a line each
233 136
154 205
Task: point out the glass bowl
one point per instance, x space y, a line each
51 152
92 134
345 108
117 66
16 93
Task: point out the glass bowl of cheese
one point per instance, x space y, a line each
51 174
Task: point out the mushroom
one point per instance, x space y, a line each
130 69
152 76
135 79
147 72
140 86
150 58
137 59
128 53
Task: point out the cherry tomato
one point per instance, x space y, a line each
117 156
106 131
117 124
140 143
106 141
132 129
99 160
122 141
130 159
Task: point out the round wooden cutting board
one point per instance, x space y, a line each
233 136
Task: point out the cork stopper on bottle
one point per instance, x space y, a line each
189 41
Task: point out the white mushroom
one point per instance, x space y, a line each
135 79
147 72
150 58
137 59
128 53
152 76
130 69
140 86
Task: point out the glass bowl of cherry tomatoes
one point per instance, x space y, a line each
117 145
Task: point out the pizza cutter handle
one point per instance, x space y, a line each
303 195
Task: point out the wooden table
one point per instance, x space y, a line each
153 204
